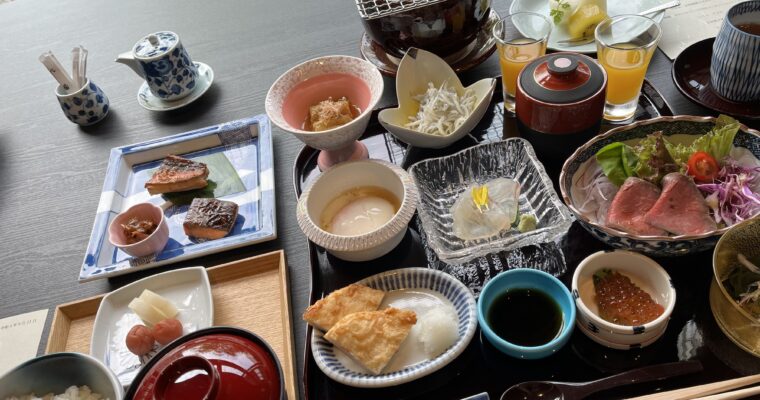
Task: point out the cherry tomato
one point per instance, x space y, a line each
140 340
167 330
702 167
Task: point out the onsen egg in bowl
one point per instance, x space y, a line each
326 103
358 210
434 110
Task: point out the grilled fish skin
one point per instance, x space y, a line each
177 174
210 218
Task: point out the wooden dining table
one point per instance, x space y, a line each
52 171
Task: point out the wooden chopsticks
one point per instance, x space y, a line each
698 392
736 394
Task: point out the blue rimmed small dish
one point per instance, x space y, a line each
428 282
645 273
526 278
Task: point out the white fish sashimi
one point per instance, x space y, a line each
471 223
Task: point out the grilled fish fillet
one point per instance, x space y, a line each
177 174
210 218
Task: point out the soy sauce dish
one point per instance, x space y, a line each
526 313
614 324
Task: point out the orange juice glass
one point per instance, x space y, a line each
625 45
520 39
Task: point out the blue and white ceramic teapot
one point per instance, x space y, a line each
163 62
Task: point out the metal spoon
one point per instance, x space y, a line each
586 40
543 390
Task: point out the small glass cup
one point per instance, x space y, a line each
625 45
520 38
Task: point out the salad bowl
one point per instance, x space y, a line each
682 130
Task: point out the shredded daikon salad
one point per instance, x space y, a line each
442 110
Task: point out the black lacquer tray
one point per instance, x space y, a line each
691 334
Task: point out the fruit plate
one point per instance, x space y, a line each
614 7
187 288
239 155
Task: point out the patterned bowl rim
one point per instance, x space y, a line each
645 263
723 242
613 132
458 290
396 224
477 250
375 95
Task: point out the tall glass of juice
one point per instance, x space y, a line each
625 45
520 38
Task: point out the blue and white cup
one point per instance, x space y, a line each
161 59
735 64
86 106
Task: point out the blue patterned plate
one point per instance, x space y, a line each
243 147
678 129
335 364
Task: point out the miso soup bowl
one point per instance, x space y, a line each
343 177
645 273
525 278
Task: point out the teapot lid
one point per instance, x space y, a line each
562 78
155 44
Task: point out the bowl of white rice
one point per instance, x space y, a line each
61 376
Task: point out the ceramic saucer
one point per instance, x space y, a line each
150 102
691 74
477 52
614 7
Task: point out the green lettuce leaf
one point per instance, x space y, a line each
618 162
720 140
655 160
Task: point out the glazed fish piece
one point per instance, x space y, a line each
633 200
681 209
177 174
210 218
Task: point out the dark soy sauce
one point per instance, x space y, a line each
525 317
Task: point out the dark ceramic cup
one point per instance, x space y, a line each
560 104
735 64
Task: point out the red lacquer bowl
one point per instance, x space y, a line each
218 363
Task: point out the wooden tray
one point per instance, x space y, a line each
236 286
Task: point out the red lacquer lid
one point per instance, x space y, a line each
211 366
562 78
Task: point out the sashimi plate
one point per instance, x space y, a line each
417 289
682 129
614 7
240 159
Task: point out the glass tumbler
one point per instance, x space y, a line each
520 38
625 45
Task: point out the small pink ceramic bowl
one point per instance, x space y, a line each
288 100
154 243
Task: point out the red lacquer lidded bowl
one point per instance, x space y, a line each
560 103
218 363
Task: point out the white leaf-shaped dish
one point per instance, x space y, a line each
417 68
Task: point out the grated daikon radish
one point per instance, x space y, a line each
160 303
442 110
149 314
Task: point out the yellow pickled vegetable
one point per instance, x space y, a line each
585 19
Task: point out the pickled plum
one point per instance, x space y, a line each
140 340
167 330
